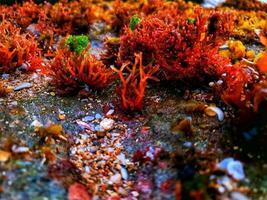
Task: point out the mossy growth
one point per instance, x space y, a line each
134 21
77 43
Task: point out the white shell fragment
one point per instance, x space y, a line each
106 124
233 168
23 86
213 110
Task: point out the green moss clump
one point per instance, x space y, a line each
134 21
77 43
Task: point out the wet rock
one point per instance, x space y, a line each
23 86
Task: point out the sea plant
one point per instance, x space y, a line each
71 69
77 43
17 48
184 49
133 82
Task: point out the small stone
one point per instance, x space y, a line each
4 156
101 134
106 124
135 194
16 149
110 112
36 123
14 103
98 116
24 67
238 196
23 86
88 118
115 178
124 173
53 94
5 76
61 116
122 191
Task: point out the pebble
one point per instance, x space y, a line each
36 123
98 116
17 149
122 158
5 76
115 178
238 196
88 118
106 124
84 125
23 86
124 173
135 194
13 103
110 112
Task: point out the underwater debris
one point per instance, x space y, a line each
133 82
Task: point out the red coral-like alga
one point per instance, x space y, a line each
133 83
70 70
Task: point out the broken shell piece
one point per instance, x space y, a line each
36 124
17 149
212 111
